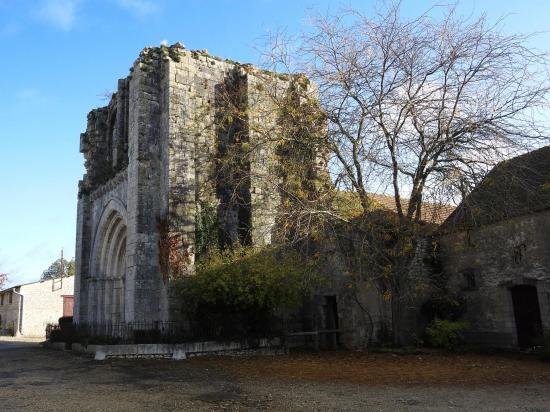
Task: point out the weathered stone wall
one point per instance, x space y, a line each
420 286
264 180
192 145
364 311
144 286
102 190
484 263
82 259
156 152
9 312
43 304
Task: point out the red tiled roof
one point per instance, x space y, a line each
431 212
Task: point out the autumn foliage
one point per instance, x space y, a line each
173 252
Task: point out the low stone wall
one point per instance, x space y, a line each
177 351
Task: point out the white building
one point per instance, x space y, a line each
26 310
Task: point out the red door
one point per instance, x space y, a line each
68 302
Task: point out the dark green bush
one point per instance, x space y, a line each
446 334
56 335
241 291
444 305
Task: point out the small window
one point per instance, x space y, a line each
11 297
2 299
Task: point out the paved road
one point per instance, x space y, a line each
37 379
10 345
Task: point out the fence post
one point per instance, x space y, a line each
316 341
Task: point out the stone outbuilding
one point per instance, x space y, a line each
495 251
26 310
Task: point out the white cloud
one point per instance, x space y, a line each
59 13
164 42
139 7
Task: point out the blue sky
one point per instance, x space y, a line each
59 57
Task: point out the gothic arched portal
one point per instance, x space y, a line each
109 263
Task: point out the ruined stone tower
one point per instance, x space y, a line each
153 159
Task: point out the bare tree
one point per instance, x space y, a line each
420 108
427 104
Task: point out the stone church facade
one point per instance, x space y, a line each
153 158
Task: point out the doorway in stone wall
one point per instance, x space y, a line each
330 339
527 314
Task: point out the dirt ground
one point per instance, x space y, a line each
389 369
37 379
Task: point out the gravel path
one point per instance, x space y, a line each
37 379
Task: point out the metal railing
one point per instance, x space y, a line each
148 332
132 332
109 333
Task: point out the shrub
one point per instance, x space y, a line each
56 335
446 334
444 305
64 331
241 291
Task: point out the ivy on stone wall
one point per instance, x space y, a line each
206 229
174 256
